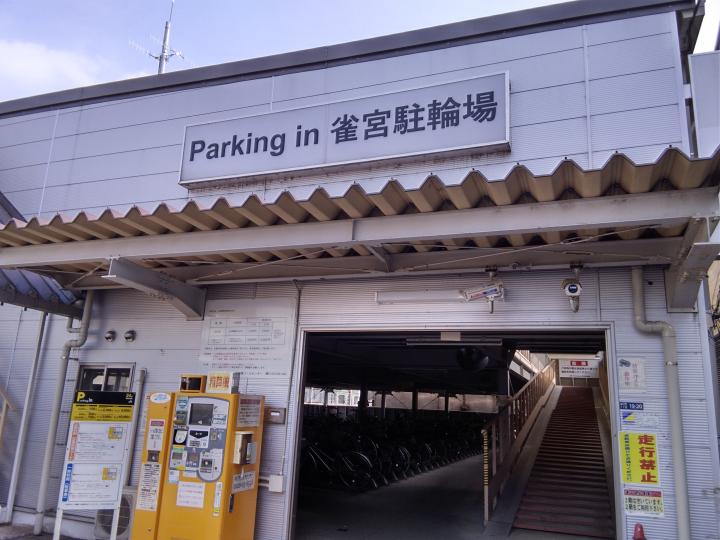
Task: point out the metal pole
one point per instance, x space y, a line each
55 413
131 450
677 439
24 421
140 391
164 52
363 401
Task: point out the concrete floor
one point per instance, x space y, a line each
445 503
23 532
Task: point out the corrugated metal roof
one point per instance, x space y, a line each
422 194
28 289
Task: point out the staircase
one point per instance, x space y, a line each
567 491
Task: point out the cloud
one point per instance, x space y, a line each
29 69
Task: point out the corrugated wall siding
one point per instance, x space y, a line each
167 345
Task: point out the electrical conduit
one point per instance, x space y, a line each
672 379
79 341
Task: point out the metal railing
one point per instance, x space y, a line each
505 434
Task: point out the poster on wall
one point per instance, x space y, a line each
253 337
580 369
96 450
639 461
631 375
644 502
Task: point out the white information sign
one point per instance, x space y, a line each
580 369
249 411
243 481
631 375
644 502
155 435
191 494
251 337
96 451
149 487
463 116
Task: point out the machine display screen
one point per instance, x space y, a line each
201 414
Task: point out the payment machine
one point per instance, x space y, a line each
208 468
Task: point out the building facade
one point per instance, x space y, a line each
169 196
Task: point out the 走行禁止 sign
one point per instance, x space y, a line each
465 115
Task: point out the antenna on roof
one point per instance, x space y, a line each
166 52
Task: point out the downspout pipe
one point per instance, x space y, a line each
79 341
25 421
672 379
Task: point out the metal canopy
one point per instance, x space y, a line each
451 220
30 290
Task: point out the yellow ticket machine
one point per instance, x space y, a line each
210 471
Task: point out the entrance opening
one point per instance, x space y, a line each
454 434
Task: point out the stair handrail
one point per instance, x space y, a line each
504 435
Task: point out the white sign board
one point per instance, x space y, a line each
252 337
463 116
631 375
191 494
580 369
96 451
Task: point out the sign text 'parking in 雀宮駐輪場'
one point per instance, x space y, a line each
467 115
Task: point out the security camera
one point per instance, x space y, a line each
572 287
573 290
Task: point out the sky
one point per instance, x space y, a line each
48 45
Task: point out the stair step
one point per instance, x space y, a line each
571 478
565 504
562 528
567 518
563 463
553 495
553 509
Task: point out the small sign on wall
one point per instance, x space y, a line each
644 502
639 459
580 369
631 375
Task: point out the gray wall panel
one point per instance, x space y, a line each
23 178
26 131
631 56
24 154
171 105
636 91
652 126
630 28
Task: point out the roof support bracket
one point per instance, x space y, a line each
380 253
189 300
685 274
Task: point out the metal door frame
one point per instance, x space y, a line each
295 422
